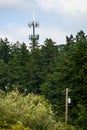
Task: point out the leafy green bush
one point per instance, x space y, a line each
17 126
62 126
32 110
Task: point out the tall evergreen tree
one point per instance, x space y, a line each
5 50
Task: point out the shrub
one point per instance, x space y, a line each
32 110
62 126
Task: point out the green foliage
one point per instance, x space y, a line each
33 111
5 50
4 75
82 117
62 126
18 126
30 112
47 70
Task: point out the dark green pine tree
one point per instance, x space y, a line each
4 76
14 66
50 85
24 63
5 50
5 56
73 70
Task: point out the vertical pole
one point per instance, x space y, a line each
33 24
66 106
34 34
33 29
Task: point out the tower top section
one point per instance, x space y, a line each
34 37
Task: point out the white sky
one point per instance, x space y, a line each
57 19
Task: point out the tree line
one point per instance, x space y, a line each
48 70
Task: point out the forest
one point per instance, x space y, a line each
33 81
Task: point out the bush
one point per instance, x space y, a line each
16 127
32 110
62 126
19 126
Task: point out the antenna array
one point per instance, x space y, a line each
33 37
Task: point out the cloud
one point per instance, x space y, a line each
14 32
9 3
66 7
71 13
57 35
23 5
59 18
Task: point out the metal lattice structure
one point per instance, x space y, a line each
34 37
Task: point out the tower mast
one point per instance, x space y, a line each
34 37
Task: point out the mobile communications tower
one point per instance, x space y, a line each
34 37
